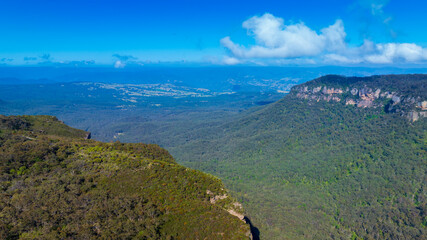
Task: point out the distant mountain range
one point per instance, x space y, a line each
214 78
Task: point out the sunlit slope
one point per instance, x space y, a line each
55 184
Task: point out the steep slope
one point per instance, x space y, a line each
337 158
55 184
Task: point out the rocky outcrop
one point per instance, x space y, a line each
414 115
365 103
327 90
411 107
317 94
422 105
234 208
350 102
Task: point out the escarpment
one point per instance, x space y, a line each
368 92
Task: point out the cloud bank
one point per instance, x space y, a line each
276 40
123 60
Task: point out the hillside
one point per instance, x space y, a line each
337 158
57 184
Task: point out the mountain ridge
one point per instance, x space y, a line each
308 169
55 183
371 92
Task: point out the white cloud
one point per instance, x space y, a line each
390 52
126 60
276 40
230 60
387 53
119 64
337 58
334 36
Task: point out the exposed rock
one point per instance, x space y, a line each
365 103
363 93
366 97
237 205
331 91
413 116
233 209
386 95
350 102
239 215
422 105
302 95
317 89
336 99
395 99
377 93
218 197
366 94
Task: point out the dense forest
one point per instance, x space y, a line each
336 158
310 169
56 184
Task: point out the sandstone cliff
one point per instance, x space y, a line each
367 93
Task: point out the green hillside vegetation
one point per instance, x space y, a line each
54 184
323 170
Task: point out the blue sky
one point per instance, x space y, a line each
120 33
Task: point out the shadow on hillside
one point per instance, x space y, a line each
254 230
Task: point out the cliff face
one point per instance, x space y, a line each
364 94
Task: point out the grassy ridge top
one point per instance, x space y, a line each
40 125
56 184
